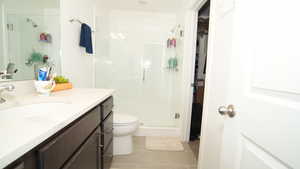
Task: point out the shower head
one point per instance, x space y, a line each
32 22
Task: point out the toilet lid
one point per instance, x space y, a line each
121 119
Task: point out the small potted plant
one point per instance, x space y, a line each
62 83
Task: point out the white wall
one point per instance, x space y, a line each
79 67
187 3
182 92
76 64
2 59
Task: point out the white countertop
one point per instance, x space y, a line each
19 136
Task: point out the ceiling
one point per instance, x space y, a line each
143 5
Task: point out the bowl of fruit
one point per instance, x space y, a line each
62 83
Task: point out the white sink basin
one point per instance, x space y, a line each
24 127
36 112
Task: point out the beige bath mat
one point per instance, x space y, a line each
164 144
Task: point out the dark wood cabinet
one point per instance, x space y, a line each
87 143
107 133
106 107
107 130
28 161
87 156
107 156
54 154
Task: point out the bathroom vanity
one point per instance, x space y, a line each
85 143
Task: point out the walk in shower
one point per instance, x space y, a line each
133 57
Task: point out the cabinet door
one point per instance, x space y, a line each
107 133
106 107
54 154
87 156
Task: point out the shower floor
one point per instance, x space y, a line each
142 158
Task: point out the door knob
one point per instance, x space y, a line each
229 110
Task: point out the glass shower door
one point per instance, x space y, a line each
131 55
156 88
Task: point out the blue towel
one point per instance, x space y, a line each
86 38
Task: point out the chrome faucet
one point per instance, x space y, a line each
6 87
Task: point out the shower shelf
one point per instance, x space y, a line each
45 41
172 69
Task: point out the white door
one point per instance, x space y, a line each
264 81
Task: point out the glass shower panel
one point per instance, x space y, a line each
156 88
131 58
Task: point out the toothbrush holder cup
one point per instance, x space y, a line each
44 87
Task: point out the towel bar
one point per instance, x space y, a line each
77 20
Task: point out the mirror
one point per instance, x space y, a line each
29 38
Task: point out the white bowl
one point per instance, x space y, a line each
44 87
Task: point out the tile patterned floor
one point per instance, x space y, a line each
142 158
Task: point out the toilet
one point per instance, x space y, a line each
124 127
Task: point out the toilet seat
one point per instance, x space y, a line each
124 120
